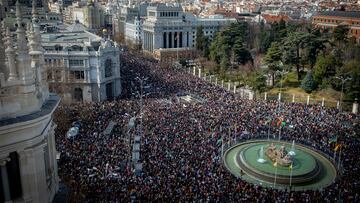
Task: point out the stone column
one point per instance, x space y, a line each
323 101
216 81
5 179
355 108
194 71
229 84
338 104
173 39
184 39
279 97
52 156
265 96
222 83
293 98
169 40
308 100
33 175
199 73
234 88
165 40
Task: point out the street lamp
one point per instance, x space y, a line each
343 80
282 72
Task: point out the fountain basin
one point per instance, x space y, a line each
311 169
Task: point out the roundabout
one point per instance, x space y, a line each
280 164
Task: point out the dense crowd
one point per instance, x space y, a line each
180 148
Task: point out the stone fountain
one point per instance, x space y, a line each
292 150
261 156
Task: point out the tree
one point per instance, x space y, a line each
313 45
257 81
202 41
183 62
351 69
264 39
324 68
241 54
340 34
199 38
308 84
273 59
292 46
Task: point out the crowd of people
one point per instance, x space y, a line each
180 148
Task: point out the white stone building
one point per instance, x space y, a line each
167 26
28 167
82 67
133 31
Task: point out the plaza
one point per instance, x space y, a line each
310 169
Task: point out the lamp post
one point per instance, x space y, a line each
343 80
281 74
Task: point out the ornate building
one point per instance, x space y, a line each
27 143
82 67
168 27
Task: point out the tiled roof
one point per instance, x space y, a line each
346 14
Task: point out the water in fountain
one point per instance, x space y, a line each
292 151
261 156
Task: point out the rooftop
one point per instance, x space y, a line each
48 107
346 14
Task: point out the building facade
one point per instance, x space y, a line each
166 27
28 167
82 67
331 19
133 31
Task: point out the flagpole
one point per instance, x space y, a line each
222 147
269 125
339 158
291 169
280 133
275 174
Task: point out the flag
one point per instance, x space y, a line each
283 124
337 147
279 122
219 141
333 139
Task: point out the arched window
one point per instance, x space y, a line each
108 68
78 94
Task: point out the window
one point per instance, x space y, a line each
78 75
78 94
12 167
75 62
108 68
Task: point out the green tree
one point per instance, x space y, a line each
202 41
308 84
199 38
241 54
325 68
257 81
183 62
350 69
313 46
292 48
263 39
273 59
340 34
